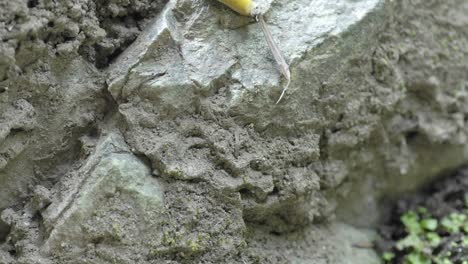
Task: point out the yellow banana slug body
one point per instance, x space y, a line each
243 7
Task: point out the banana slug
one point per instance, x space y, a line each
243 7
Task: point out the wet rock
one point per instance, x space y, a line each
113 199
41 198
338 243
199 100
376 105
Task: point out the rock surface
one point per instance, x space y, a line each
147 132
112 199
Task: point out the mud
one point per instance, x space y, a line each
121 141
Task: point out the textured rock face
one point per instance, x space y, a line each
147 131
213 118
112 198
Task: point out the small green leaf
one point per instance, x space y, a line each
434 239
417 258
454 222
464 241
411 222
446 261
443 261
465 227
388 256
422 210
429 224
411 241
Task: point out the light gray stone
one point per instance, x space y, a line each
101 102
115 199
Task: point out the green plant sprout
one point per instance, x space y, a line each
426 236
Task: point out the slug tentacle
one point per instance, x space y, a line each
282 64
245 7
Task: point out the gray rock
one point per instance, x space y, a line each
219 84
334 243
114 200
103 102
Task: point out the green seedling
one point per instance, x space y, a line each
388 256
425 234
454 222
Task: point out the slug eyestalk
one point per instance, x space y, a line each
245 7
